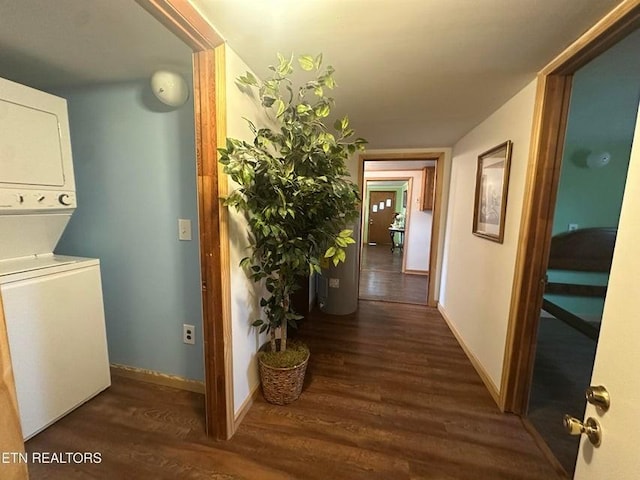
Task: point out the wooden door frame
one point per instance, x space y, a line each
181 18
11 439
438 157
545 157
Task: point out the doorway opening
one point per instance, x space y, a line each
538 248
595 160
387 226
202 207
399 227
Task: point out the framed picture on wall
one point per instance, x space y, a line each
492 184
404 199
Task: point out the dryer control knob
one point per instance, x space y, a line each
64 199
20 198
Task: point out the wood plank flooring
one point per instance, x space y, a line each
381 277
561 374
389 395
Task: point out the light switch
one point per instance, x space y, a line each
184 229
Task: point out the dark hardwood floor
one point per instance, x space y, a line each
389 395
381 277
561 374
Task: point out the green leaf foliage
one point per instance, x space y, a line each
293 182
306 62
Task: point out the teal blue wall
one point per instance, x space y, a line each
602 114
135 173
591 197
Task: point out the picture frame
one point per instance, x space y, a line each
404 199
492 185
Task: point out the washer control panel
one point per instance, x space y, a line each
17 201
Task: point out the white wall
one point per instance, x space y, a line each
245 294
417 242
477 274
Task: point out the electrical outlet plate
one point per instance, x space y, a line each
184 229
189 334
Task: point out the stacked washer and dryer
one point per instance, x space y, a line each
53 304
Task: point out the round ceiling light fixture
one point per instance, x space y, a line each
598 159
170 88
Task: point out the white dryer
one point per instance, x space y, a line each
53 304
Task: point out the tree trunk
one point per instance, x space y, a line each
283 337
283 326
272 339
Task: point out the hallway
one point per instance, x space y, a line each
389 395
381 277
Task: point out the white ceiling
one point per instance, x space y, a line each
411 73
53 43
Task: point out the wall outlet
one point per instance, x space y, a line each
573 226
189 334
334 283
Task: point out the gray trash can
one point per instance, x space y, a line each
338 286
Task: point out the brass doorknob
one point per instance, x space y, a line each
598 396
591 428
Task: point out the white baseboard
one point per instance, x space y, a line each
245 407
416 272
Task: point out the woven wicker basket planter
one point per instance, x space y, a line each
282 385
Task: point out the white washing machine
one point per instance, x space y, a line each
55 323
53 304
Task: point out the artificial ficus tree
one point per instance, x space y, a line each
293 186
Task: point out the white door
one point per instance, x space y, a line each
618 355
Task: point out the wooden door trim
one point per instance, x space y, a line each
609 30
437 157
11 439
435 231
407 228
543 174
535 238
181 18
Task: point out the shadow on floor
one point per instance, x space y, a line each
562 372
